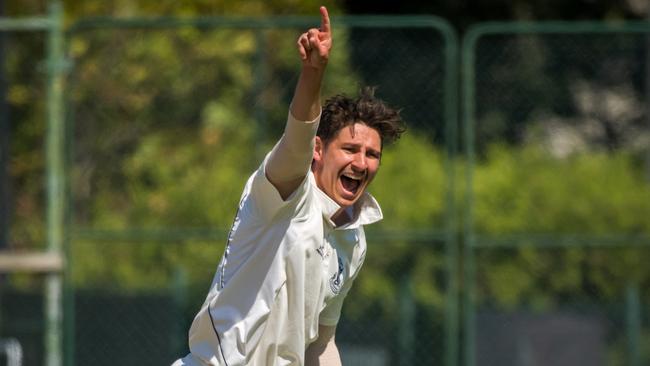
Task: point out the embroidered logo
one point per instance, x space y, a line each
336 279
321 251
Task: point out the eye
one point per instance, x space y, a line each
374 154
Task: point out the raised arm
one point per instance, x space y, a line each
314 48
291 158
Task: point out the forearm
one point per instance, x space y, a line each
325 355
306 105
298 139
291 157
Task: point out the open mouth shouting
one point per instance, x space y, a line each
345 166
351 184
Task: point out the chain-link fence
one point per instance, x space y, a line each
166 118
170 118
558 233
30 180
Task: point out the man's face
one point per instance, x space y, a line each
347 164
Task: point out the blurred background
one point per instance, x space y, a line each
517 206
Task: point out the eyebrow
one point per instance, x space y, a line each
358 145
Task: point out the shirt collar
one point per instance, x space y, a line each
364 212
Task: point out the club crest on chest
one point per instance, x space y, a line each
337 278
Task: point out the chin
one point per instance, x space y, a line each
344 202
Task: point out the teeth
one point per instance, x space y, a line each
353 177
349 183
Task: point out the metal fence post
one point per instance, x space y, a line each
633 323
468 94
475 240
451 146
406 328
5 188
179 295
55 186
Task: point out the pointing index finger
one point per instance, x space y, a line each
325 20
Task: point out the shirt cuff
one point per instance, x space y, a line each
293 119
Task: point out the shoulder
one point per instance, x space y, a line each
265 201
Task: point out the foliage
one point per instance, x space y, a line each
528 190
181 124
411 179
574 220
170 123
528 196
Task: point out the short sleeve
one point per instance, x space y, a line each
267 199
331 314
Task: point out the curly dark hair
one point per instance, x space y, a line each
341 111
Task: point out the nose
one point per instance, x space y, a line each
359 164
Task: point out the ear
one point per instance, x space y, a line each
318 149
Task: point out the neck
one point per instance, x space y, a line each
342 216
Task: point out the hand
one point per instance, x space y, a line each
315 44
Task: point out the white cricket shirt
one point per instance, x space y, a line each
286 269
